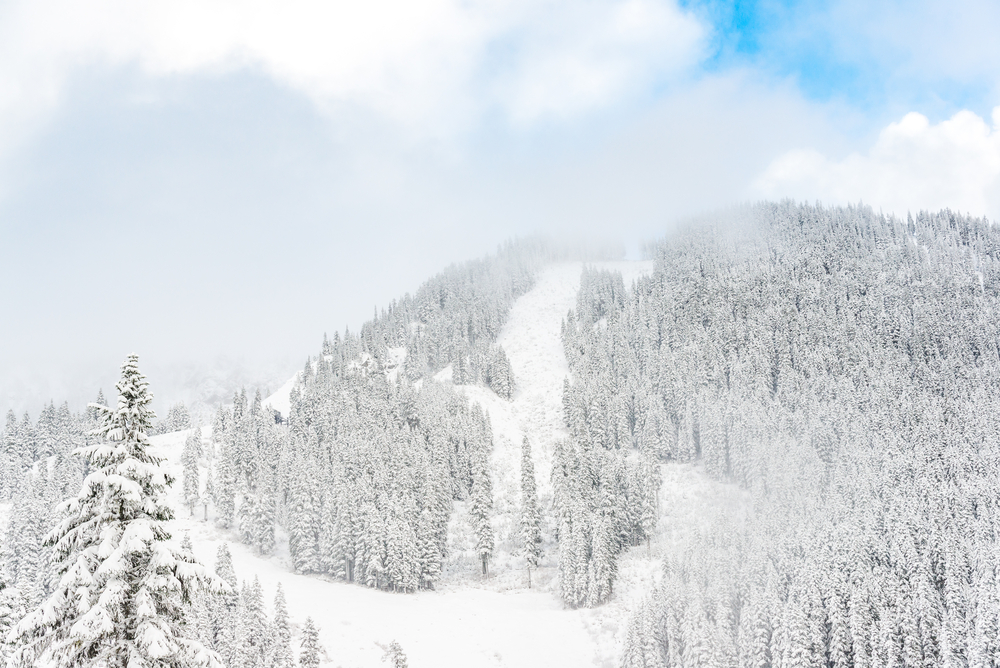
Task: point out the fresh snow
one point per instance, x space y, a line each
467 622
281 400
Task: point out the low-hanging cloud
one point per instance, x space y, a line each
913 165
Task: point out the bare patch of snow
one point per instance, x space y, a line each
281 400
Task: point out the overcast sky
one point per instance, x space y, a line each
214 184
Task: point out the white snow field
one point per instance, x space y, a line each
500 622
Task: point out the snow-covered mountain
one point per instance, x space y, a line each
469 621
771 447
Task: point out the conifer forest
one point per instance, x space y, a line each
771 443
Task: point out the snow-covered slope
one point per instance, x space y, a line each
500 622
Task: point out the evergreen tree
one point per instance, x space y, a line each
225 605
253 636
309 656
499 376
395 656
480 513
122 585
531 532
282 657
304 518
189 460
9 612
27 560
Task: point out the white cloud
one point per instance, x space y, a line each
913 165
581 55
429 64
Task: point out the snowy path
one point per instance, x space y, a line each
470 623
532 340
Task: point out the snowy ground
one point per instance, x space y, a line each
468 622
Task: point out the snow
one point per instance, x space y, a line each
281 400
468 622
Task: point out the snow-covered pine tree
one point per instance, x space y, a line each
531 530
189 460
209 494
122 584
253 635
309 657
282 653
304 517
222 614
499 375
26 558
394 655
480 512
9 609
224 486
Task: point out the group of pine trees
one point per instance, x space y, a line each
178 419
454 319
844 367
363 472
37 472
56 434
606 475
361 476
90 575
234 623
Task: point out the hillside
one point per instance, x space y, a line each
497 622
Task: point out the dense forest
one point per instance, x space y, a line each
842 365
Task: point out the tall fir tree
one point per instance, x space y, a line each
189 460
282 653
123 585
531 521
309 656
480 514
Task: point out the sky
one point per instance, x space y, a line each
213 185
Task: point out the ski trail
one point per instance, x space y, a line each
532 339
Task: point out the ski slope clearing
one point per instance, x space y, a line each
500 622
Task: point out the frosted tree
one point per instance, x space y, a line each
482 509
224 605
209 494
282 656
189 460
122 584
253 637
304 518
9 609
27 560
309 656
531 531
394 655
499 375
224 486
